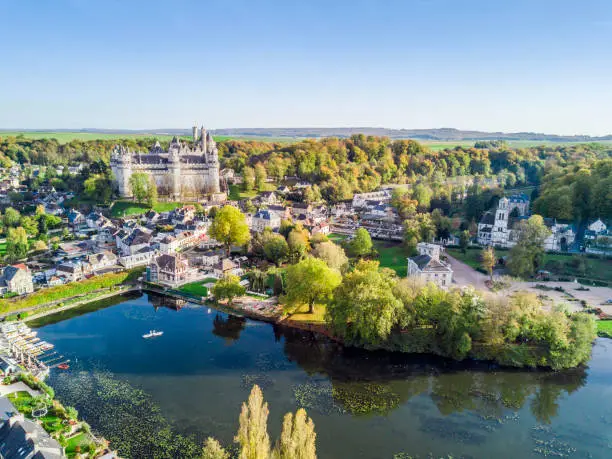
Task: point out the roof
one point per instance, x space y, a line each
429 264
521 197
171 262
11 271
137 237
488 218
227 264
264 215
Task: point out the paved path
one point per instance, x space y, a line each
18 387
464 275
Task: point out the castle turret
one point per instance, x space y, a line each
195 133
203 140
121 165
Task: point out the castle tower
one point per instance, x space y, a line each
194 130
499 233
121 165
203 139
174 171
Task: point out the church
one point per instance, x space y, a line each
189 170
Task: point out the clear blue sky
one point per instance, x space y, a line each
507 65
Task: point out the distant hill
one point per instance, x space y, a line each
442 134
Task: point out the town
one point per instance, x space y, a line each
263 244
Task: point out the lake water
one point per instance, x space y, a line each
191 381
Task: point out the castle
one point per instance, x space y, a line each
188 170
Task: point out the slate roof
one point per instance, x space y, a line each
427 263
488 218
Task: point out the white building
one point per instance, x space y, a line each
265 219
360 199
428 266
562 236
495 227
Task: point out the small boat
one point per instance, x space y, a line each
63 366
153 334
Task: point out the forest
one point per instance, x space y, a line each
338 168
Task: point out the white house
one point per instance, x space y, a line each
428 266
265 219
495 226
16 279
133 242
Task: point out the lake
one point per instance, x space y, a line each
158 396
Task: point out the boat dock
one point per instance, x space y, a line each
22 343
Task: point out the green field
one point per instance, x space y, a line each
441 145
335 237
65 137
392 255
195 288
126 208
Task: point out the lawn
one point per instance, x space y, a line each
335 237
604 328
125 208
392 255
301 314
81 439
236 193
3 248
472 256
195 288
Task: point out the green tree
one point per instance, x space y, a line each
16 244
260 177
310 281
229 227
139 184
151 192
489 260
248 178
361 244
299 245
213 450
528 253
228 287
332 254
364 308
298 437
252 433
276 249
11 217
464 240
30 225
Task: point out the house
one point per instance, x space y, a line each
141 257
96 220
8 366
133 242
171 270
152 217
16 279
428 266
597 226
212 258
283 189
23 438
75 218
72 271
360 199
183 215
562 236
265 219
101 260
183 238
227 266
266 198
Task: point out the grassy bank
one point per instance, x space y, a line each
392 255
195 288
61 292
604 328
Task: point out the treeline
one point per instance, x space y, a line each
577 191
374 309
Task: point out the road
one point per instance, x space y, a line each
464 275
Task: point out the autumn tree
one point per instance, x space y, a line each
310 281
252 433
248 178
260 177
488 260
464 240
229 227
332 254
139 184
214 450
298 241
298 437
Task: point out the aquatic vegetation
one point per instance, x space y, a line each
365 398
123 414
316 396
260 379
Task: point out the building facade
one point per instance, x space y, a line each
188 170
496 226
428 266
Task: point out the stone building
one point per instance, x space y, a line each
428 266
188 170
496 226
16 279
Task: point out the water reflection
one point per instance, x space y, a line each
228 327
366 382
